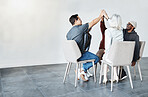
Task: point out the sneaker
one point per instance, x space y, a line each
83 76
89 74
123 75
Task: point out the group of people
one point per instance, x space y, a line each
80 33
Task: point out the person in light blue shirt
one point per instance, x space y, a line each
77 33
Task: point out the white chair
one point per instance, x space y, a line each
72 54
142 45
120 54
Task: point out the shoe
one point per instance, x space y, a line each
123 75
89 74
104 81
83 76
113 80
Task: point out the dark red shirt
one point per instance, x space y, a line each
103 28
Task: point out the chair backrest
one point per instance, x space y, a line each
71 51
121 53
142 45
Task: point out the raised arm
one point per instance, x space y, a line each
102 25
96 20
103 28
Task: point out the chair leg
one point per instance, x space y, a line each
139 70
66 72
76 76
105 73
134 72
69 68
120 72
116 74
112 72
130 76
101 73
94 71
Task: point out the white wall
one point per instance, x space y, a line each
32 31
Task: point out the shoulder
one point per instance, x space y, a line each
108 32
135 35
124 31
72 31
83 28
86 25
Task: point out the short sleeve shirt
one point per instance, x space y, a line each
77 33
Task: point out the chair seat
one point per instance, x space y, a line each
72 54
112 64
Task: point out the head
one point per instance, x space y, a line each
75 20
131 25
115 21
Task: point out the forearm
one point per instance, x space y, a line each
137 49
95 21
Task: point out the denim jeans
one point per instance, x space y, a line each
87 56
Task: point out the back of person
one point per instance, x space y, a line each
77 33
113 33
117 35
130 35
80 34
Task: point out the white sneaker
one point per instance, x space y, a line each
83 76
89 74
104 81
124 77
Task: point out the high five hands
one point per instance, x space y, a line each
104 14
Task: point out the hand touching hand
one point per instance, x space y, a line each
104 14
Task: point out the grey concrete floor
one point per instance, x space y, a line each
46 81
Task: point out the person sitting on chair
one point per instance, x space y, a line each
100 52
112 34
129 34
77 33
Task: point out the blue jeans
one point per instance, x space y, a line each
87 56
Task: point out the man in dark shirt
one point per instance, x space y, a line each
129 34
77 33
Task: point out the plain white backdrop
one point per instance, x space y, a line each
32 31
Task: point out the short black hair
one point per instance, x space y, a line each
73 18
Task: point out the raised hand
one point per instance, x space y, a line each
102 13
105 14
